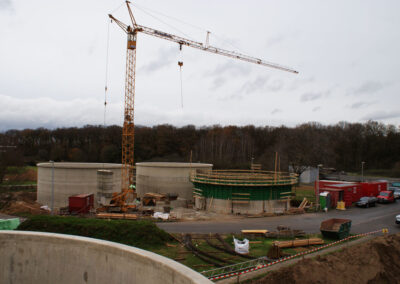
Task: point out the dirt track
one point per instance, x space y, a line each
376 261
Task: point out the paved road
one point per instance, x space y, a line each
363 220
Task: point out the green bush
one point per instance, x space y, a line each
141 234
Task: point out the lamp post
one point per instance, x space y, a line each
52 187
317 193
362 171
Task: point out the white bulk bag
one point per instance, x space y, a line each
241 247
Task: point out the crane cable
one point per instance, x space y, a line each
106 75
180 63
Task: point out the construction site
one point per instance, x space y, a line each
160 220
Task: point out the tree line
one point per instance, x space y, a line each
342 146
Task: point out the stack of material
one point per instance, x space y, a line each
298 243
116 216
151 198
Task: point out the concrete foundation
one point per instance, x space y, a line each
71 179
173 178
32 257
226 206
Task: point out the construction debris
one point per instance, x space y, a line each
303 204
151 198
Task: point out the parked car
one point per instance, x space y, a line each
386 197
366 201
396 192
398 219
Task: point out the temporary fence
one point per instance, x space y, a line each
253 265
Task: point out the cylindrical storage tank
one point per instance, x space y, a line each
105 186
71 179
242 191
165 177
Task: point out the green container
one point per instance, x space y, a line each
336 228
9 224
322 201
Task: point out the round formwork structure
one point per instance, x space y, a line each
242 191
71 179
33 257
167 178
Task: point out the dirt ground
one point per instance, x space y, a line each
26 175
376 261
19 202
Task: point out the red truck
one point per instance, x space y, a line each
386 197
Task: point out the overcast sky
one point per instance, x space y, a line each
53 62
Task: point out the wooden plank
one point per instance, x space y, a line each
239 201
116 216
299 243
254 231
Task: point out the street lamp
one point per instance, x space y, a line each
52 187
362 171
317 193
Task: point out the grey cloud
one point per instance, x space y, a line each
306 97
379 115
230 68
6 5
368 87
316 108
275 85
165 58
218 82
277 110
360 104
251 86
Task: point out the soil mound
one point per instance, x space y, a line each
376 261
20 202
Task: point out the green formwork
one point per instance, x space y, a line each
9 224
219 191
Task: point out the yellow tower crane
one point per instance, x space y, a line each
128 131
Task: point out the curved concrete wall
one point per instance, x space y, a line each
163 177
33 257
71 179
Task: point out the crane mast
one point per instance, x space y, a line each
128 130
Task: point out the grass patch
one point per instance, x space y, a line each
304 191
141 234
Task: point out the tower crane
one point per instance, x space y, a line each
128 131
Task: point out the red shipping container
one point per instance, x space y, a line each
81 203
329 183
373 188
348 192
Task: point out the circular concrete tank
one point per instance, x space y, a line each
33 257
243 191
164 177
71 179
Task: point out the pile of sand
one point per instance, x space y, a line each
20 202
375 261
